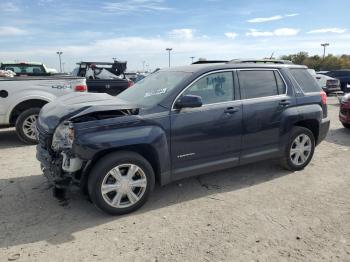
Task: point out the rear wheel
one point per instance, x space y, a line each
299 150
26 125
346 125
121 182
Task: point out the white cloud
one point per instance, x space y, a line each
265 19
11 31
135 5
291 15
286 31
183 33
231 35
328 30
8 7
276 32
271 18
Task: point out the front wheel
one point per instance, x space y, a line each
26 125
299 150
121 182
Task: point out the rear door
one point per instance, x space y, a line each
208 137
264 100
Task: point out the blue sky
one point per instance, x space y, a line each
140 30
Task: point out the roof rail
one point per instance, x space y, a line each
260 61
199 62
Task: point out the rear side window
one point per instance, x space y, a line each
261 83
305 80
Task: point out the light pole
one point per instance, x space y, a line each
324 48
63 66
192 57
59 57
169 50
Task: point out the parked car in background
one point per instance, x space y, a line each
327 83
180 122
344 111
135 77
104 77
22 97
27 68
344 78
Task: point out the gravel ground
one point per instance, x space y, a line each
252 213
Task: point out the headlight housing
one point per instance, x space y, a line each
63 137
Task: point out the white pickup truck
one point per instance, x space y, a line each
22 97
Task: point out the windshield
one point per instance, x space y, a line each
152 89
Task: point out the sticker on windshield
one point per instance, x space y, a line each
156 92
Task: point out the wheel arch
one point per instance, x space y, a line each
24 105
312 124
147 151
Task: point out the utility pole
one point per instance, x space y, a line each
324 49
192 57
169 50
59 57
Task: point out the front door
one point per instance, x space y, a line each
208 137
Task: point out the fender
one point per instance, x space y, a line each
88 145
293 115
25 96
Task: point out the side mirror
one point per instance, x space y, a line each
189 101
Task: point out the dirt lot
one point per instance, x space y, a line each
252 213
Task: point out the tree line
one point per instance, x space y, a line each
329 62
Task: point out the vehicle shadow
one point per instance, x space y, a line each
339 136
8 139
30 214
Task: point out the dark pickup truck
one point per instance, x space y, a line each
104 77
344 78
177 123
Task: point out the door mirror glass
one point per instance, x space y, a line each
189 101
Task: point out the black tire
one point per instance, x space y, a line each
346 125
286 161
20 125
106 164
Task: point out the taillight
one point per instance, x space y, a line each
323 97
80 88
130 83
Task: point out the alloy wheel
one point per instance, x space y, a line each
300 150
124 185
29 126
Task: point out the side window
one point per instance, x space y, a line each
305 80
213 88
280 84
259 83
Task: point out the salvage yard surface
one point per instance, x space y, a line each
257 212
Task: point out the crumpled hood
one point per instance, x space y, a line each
78 104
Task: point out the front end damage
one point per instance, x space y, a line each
55 151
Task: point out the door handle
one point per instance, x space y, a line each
231 110
284 103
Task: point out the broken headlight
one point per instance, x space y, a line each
63 137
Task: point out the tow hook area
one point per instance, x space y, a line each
70 164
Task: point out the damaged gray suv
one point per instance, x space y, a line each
177 123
